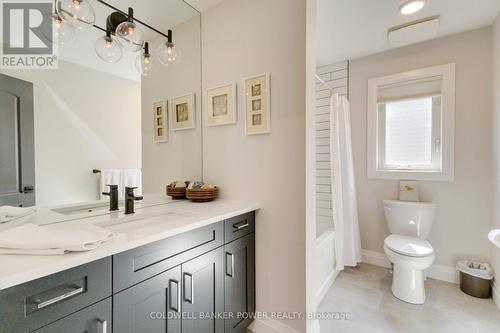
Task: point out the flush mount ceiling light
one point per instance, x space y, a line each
412 6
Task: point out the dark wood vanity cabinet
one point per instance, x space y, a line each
201 281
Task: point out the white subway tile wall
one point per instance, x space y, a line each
336 78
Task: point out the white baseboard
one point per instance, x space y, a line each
495 290
438 272
270 326
323 289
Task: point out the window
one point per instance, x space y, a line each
410 134
411 125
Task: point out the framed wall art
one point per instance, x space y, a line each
221 105
182 111
160 121
258 105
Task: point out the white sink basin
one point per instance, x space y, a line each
85 208
143 220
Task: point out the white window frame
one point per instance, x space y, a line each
446 171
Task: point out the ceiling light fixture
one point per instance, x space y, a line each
412 6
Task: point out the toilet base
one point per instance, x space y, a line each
408 285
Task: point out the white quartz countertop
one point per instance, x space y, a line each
147 225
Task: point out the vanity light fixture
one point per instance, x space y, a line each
130 34
122 32
144 62
167 52
412 6
108 48
78 12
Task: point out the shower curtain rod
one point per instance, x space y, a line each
323 82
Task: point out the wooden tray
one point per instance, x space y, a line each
202 195
176 193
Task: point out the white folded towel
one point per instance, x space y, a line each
123 178
133 178
111 177
9 213
31 239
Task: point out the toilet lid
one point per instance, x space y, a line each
409 246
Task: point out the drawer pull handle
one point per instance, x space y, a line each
230 272
240 225
102 326
40 305
189 299
177 298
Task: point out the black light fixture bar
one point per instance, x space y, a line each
168 35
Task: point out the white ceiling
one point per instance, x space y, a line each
202 5
349 29
161 14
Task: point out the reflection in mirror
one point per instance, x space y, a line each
96 110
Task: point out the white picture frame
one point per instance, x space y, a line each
160 121
221 108
257 104
182 112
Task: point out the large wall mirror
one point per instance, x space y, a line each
99 113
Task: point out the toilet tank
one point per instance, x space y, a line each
408 218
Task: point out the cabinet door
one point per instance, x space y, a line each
239 283
203 293
93 319
151 306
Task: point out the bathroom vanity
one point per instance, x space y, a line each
179 267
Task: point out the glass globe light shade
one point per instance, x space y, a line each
78 12
144 64
167 53
131 36
64 32
108 49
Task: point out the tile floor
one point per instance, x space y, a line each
365 293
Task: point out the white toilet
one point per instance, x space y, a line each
407 248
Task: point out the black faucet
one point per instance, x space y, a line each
113 197
129 199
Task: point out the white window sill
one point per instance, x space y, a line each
412 175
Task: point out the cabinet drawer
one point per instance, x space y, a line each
94 319
136 265
239 226
36 303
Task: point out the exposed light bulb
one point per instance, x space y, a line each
78 12
108 49
167 53
143 62
63 33
412 6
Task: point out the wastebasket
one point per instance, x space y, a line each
475 278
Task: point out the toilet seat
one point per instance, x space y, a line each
409 246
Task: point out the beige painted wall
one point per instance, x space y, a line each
242 38
496 139
84 119
180 157
465 205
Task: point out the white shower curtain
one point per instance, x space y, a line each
345 210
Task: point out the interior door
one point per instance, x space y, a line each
17 163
